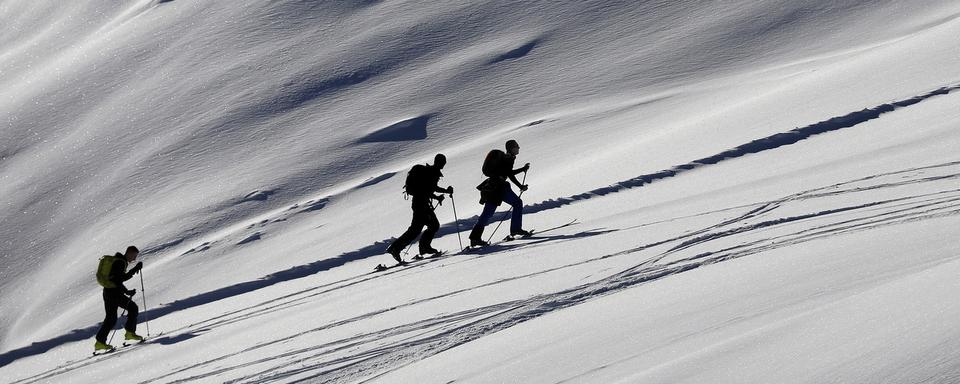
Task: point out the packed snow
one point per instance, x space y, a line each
724 192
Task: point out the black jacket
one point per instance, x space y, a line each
508 171
118 272
432 178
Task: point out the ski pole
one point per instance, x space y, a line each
524 181
456 220
143 296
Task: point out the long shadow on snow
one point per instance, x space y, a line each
417 339
756 146
402 329
291 300
899 210
298 298
420 342
297 272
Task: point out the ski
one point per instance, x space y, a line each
101 352
533 234
515 237
126 344
429 256
469 249
569 223
145 340
381 267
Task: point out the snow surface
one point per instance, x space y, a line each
760 191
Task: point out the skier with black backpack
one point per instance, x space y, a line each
498 167
111 273
421 184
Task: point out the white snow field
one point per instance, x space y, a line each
756 191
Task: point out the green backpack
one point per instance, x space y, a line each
104 269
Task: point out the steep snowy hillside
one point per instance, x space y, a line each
755 191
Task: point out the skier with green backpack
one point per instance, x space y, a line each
111 273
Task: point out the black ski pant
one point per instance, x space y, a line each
490 207
423 215
113 299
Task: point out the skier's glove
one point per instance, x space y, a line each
136 268
450 190
526 167
523 187
130 292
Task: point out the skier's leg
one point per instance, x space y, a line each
433 225
516 222
110 319
132 312
477 232
416 224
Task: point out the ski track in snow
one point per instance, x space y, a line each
412 342
378 247
366 356
441 67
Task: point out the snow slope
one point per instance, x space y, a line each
761 191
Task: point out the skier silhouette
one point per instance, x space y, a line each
498 166
421 184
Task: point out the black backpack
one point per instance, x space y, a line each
493 163
416 183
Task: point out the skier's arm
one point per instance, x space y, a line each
516 182
520 170
515 172
132 271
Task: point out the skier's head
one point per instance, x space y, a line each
132 253
512 147
439 161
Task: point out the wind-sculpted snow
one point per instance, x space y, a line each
252 150
406 130
517 53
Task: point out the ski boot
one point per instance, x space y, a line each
132 338
99 347
521 233
476 243
425 253
396 254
